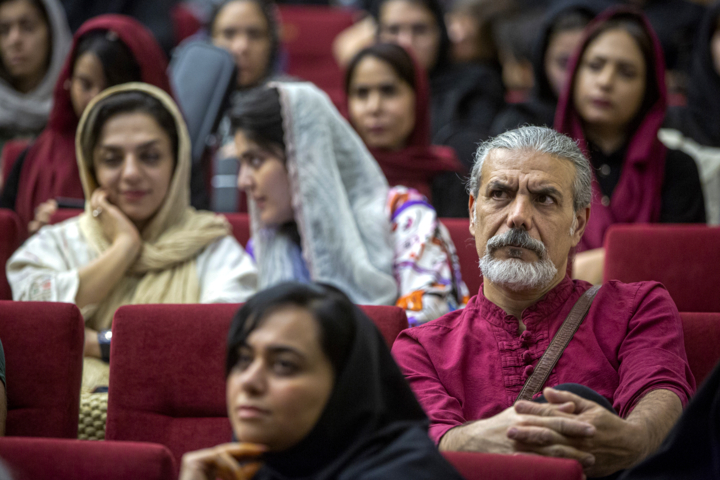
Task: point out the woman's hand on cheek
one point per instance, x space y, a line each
230 461
115 224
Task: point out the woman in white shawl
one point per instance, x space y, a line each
321 209
34 41
138 241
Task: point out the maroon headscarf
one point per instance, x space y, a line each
416 164
50 169
637 196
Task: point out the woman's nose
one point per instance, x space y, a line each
252 379
245 180
374 102
131 167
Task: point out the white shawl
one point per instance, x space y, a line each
338 196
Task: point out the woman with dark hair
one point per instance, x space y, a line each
560 35
107 51
695 128
464 99
138 240
34 40
614 104
313 392
387 96
322 211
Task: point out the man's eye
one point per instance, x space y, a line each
545 199
498 194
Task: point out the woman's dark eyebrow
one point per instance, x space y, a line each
278 349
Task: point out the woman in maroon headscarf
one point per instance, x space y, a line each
388 104
613 105
107 51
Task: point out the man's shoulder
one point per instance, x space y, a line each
446 324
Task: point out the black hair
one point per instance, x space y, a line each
268 10
259 116
437 11
576 19
118 62
331 308
630 24
130 102
394 55
38 4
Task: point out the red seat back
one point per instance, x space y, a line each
467 254
62 214
308 34
702 342
10 153
487 466
9 242
684 258
43 343
240 223
61 459
168 373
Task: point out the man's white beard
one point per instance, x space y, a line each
513 273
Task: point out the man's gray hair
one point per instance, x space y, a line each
542 140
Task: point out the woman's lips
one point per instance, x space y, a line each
251 413
601 103
134 195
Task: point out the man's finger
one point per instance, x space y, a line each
561 396
539 436
569 427
560 451
544 409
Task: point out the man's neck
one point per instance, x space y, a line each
514 303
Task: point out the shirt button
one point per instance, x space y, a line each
605 170
526 337
528 371
527 357
605 201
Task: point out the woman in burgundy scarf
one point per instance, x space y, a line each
48 170
613 106
388 104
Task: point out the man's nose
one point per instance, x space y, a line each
520 214
239 44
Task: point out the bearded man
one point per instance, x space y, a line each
624 377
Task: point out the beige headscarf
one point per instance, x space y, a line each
164 272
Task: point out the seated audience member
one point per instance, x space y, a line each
34 39
530 197
138 240
321 209
695 128
614 104
3 392
464 98
561 33
106 51
388 106
313 392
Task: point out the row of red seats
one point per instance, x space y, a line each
682 257
168 386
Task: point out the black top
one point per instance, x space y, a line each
692 448
682 197
2 364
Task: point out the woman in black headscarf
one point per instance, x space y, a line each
695 128
313 392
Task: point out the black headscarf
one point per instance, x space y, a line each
700 120
372 423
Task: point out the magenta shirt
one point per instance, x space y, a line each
471 364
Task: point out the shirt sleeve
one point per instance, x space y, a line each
425 263
39 271
652 355
226 273
444 410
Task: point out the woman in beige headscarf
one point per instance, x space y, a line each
138 241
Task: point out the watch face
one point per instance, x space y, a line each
106 336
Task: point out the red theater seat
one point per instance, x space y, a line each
10 237
684 258
467 254
241 226
308 34
486 466
10 153
62 214
61 459
168 373
43 345
702 342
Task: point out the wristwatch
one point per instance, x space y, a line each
104 337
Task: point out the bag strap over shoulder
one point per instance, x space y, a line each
557 346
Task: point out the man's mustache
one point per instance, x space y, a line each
516 237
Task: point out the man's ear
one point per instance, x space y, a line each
473 215
582 217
